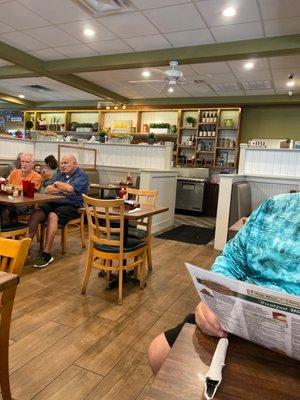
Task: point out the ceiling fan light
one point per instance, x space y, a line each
146 74
171 89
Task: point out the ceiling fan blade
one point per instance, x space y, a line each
147 81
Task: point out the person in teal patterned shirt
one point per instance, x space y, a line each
265 252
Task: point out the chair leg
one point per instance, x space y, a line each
142 271
87 271
42 235
120 299
149 254
8 299
82 230
63 239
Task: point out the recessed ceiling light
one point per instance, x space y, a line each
171 90
89 32
290 84
229 12
146 74
21 96
249 65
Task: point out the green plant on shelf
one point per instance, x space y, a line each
28 125
190 121
161 125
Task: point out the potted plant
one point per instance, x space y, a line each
102 134
151 138
28 125
190 121
162 127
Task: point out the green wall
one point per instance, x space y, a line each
273 122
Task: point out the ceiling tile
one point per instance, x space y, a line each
110 47
257 85
150 42
211 10
56 11
4 63
51 36
5 28
262 92
47 54
285 62
21 41
259 64
284 73
252 75
129 25
79 50
225 87
190 38
220 78
272 9
249 30
76 29
14 14
280 27
147 4
175 18
211 68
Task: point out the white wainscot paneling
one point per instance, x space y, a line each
271 162
260 191
9 148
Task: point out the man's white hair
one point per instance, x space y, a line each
70 156
28 155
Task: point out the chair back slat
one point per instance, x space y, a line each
13 254
105 221
146 197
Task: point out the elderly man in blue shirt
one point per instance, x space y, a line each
72 182
265 252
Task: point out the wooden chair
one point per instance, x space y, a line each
13 254
14 230
76 224
144 197
107 248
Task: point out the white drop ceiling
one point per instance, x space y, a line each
53 29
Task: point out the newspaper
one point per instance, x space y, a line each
261 315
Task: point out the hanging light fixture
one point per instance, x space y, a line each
115 106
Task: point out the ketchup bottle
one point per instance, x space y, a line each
122 193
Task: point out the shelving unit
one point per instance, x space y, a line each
212 141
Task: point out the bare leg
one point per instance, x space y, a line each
37 216
52 225
157 353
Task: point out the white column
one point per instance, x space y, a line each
223 210
165 182
242 158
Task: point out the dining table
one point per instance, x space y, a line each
16 201
251 372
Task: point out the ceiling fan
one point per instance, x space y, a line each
171 77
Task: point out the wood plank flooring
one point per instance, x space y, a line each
68 346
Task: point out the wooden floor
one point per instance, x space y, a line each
68 346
